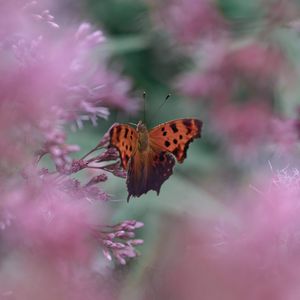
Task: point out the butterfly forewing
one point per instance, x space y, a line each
175 136
124 138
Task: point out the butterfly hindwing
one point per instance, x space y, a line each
148 171
175 136
124 138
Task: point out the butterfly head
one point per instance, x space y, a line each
142 136
141 127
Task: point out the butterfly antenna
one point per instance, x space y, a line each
165 101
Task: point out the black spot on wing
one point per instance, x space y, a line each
167 143
174 127
116 130
126 133
113 132
119 128
176 152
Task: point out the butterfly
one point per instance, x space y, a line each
149 156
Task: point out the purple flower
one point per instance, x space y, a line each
190 20
118 240
48 82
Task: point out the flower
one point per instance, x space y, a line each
118 240
251 251
243 128
191 20
284 134
47 217
42 87
237 89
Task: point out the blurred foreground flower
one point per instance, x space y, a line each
48 81
251 253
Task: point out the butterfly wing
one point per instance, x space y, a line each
148 170
124 138
175 136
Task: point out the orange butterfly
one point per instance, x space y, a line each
148 156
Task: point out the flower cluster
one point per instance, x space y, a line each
238 85
189 20
238 77
118 240
43 86
251 252
49 81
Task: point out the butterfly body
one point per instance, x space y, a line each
143 137
149 156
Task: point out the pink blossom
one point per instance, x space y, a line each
190 20
243 128
42 87
118 240
256 61
236 88
48 82
284 134
251 252
254 64
210 86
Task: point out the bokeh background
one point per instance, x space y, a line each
234 65
226 223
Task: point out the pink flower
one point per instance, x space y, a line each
236 86
243 128
251 252
118 240
284 134
256 61
47 218
191 20
42 86
209 86
225 69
